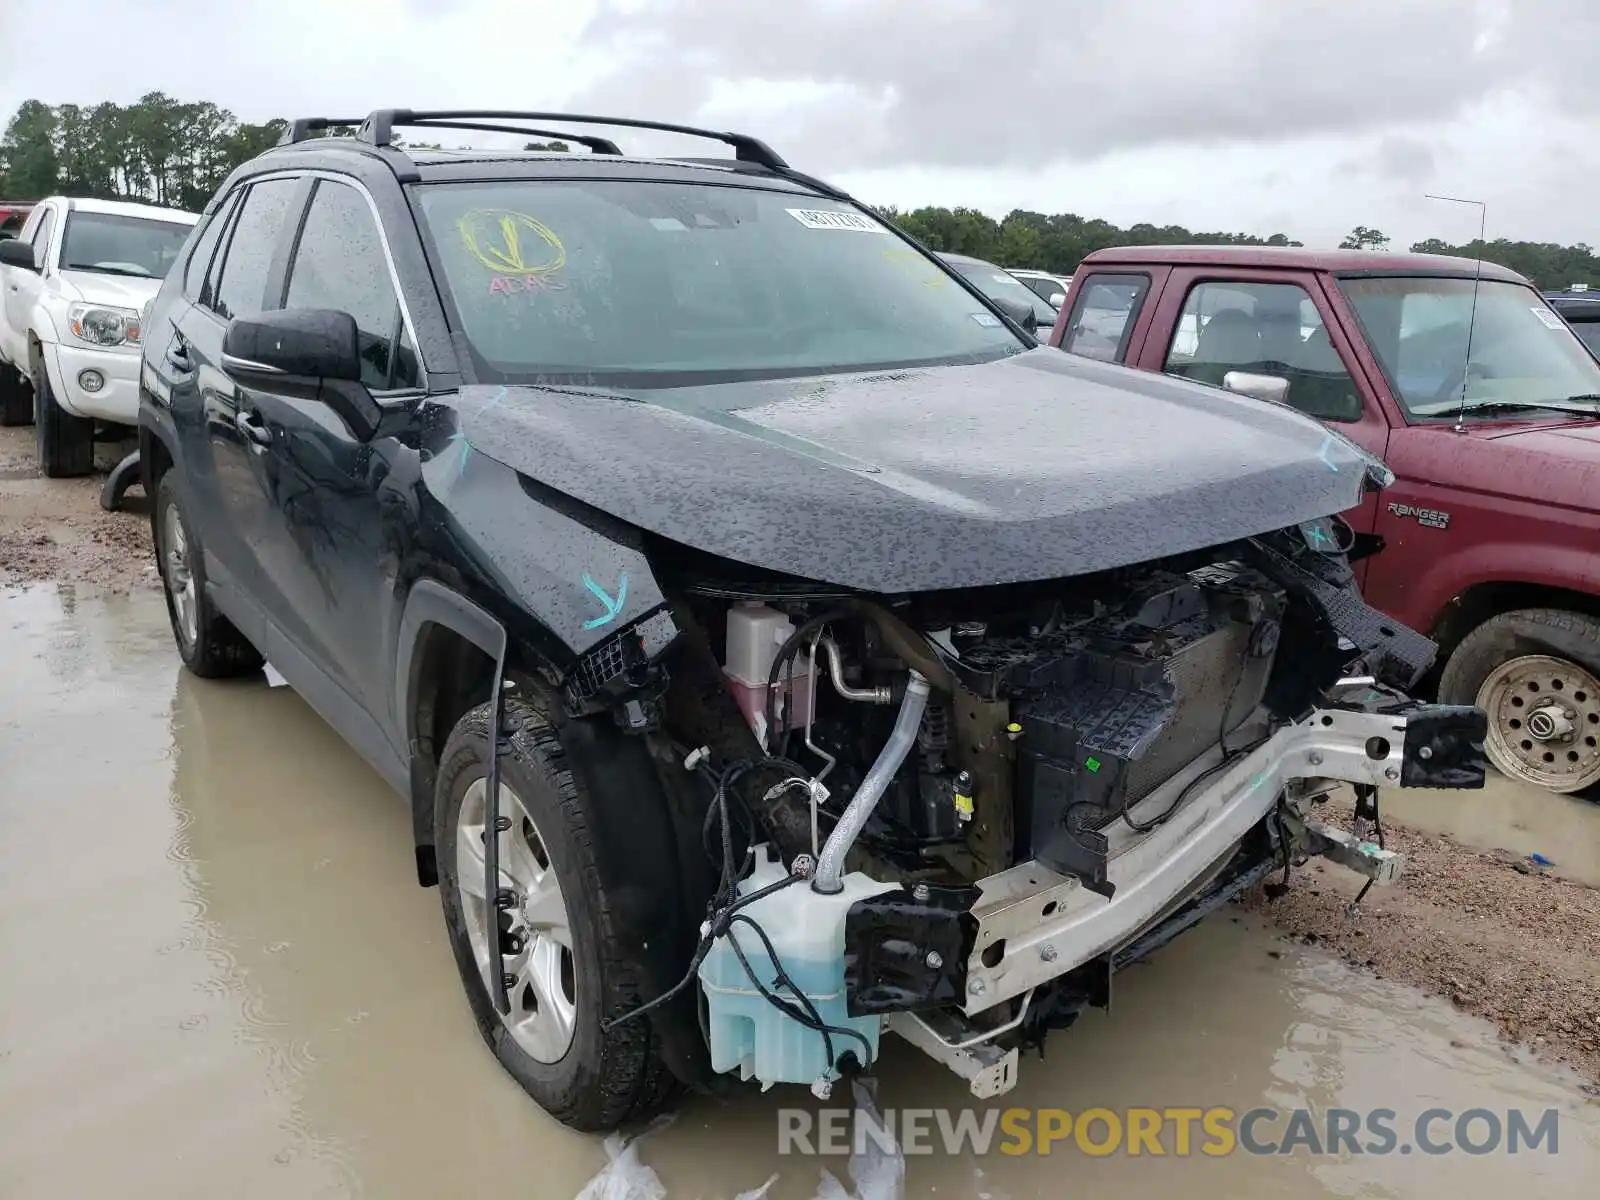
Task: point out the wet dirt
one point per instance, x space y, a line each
55 529
1471 918
1510 821
221 979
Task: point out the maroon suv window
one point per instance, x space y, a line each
1103 315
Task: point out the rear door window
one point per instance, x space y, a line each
1263 329
242 287
1103 315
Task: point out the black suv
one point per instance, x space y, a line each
1581 308
774 645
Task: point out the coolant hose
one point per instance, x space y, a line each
829 877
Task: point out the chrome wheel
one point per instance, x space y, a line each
1544 722
176 571
523 932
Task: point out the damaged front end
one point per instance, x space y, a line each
956 815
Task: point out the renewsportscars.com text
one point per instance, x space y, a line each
1177 1132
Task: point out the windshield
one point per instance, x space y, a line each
1521 351
1003 285
639 284
121 245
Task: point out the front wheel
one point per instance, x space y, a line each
66 442
548 929
1536 673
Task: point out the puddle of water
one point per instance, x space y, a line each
1507 815
222 979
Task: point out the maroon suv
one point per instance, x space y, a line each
1482 401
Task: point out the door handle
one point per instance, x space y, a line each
249 424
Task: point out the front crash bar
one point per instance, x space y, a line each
1035 925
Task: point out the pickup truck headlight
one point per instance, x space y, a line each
104 325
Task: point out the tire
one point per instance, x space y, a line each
600 1080
210 645
66 442
16 397
1520 664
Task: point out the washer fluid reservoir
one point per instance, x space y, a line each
749 1034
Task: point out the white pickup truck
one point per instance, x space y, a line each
73 284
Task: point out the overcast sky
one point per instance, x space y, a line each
1301 116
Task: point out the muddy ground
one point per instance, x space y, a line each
54 530
231 964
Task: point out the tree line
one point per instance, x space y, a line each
1059 243
177 153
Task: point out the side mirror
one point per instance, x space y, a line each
309 352
17 254
1259 387
1019 311
308 343
1057 299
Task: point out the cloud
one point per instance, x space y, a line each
974 83
1396 158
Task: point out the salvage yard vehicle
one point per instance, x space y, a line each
1036 314
1052 288
765 669
13 214
1581 308
74 281
1478 396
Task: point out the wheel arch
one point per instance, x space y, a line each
449 652
1474 605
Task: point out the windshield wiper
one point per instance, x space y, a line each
108 270
1565 405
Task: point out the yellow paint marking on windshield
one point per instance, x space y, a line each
496 237
915 265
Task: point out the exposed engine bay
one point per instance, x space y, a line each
954 815
1103 693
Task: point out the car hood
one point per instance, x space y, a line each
1550 463
1035 466
123 291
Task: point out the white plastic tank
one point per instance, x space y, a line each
756 632
749 1034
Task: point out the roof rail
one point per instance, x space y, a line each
599 145
303 129
378 128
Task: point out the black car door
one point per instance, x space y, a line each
217 450
333 574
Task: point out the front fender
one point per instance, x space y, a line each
563 577
1541 563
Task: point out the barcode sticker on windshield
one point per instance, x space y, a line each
1550 319
828 218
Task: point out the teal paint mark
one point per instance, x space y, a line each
1319 536
613 605
461 438
1328 443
